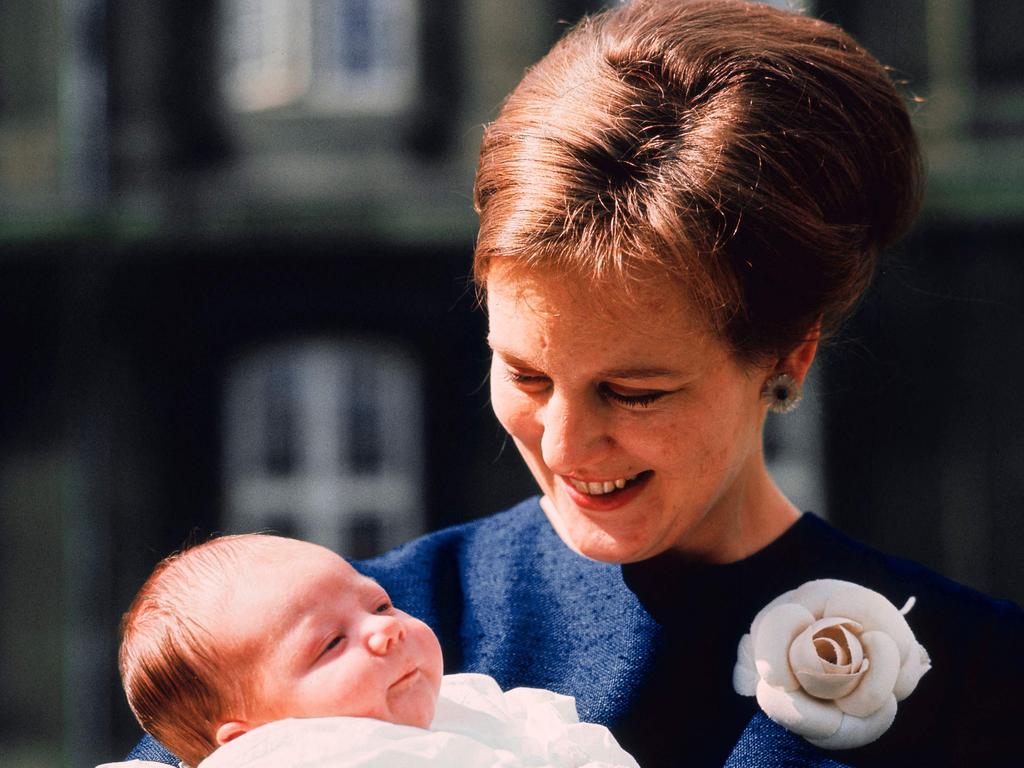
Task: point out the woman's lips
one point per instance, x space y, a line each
606 501
599 487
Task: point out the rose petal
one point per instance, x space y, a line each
823 685
913 669
817 676
872 610
802 653
825 647
877 684
776 632
839 636
813 595
744 674
799 712
803 656
858 731
856 649
756 623
835 621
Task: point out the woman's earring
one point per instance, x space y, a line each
782 392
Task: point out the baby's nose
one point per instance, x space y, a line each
384 634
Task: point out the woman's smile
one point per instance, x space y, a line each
605 495
598 487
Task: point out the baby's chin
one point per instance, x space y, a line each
424 714
416 708
423 720
416 717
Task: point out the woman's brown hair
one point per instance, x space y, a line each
759 157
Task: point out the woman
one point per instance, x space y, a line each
677 204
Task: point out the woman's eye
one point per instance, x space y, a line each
525 380
631 400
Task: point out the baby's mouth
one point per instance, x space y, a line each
406 677
605 487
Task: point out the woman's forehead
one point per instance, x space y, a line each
547 323
647 308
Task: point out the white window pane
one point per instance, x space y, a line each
324 440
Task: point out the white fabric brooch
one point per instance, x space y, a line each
829 660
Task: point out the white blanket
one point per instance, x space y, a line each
476 726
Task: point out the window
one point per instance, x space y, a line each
324 441
328 57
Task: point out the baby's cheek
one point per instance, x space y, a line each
431 651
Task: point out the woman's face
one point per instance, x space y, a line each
641 428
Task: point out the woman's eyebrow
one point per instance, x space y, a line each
510 358
640 373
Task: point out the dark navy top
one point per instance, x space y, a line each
648 648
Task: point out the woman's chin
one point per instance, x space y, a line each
618 552
593 540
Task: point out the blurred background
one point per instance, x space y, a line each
234 246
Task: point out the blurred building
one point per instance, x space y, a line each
234 252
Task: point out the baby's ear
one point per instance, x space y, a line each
229 731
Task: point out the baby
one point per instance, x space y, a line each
239 647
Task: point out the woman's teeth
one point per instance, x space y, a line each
599 488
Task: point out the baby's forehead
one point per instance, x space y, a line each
275 586
306 566
270 552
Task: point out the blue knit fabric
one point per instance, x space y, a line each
151 749
648 648
765 744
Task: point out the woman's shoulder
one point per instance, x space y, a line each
962 705
838 555
959 624
500 535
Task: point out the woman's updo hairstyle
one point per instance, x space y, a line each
760 158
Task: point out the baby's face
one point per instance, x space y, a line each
330 642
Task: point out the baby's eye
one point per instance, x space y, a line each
383 607
331 645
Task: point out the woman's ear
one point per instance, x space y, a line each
798 360
229 731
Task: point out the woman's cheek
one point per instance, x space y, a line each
515 411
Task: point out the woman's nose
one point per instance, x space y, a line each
574 434
383 634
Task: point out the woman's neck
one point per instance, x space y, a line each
754 514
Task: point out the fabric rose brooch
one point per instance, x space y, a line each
829 660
